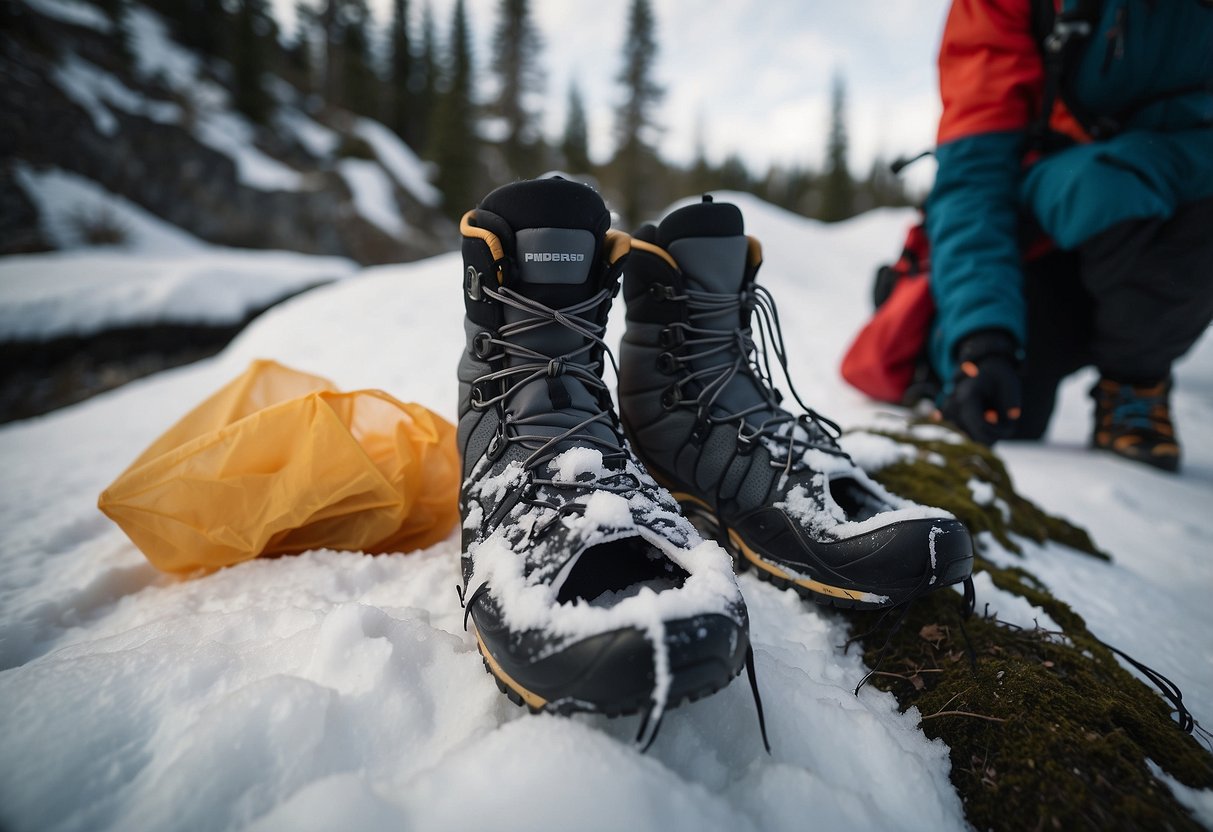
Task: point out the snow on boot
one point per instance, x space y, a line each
588 588
700 409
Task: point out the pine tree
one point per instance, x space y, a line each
700 178
515 62
635 158
401 76
883 187
838 188
301 55
575 144
201 24
359 85
423 83
116 11
454 146
249 58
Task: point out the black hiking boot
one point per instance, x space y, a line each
588 588
701 411
1134 421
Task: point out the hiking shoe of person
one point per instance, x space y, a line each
700 408
588 588
1134 421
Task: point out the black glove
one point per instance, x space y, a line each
987 392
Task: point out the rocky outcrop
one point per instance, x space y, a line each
150 153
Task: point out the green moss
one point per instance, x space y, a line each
1046 730
940 476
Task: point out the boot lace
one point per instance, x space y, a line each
736 352
583 364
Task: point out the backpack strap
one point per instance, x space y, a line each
1060 36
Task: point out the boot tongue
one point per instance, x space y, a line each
708 241
557 228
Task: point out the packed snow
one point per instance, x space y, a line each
336 689
159 274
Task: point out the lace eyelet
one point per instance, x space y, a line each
661 292
482 346
476 398
671 336
700 432
667 363
745 442
496 447
670 398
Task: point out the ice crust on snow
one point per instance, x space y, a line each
333 689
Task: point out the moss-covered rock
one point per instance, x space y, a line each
942 473
1046 729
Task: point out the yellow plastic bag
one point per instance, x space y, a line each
279 462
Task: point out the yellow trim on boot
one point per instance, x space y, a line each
685 498
532 699
765 565
618 244
809 584
755 251
641 245
468 230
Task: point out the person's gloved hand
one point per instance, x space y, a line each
987 391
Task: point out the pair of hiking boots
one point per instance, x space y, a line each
584 569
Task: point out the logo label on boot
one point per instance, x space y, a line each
555 255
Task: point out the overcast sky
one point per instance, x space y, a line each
756 73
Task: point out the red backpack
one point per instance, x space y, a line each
888 359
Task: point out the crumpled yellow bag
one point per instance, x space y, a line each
279 462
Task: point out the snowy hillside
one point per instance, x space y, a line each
135 113
334 690
158 275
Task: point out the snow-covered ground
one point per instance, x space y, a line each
159 274
339 690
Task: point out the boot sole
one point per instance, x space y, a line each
828 595
535 703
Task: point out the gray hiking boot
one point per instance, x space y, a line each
588 588
700 409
